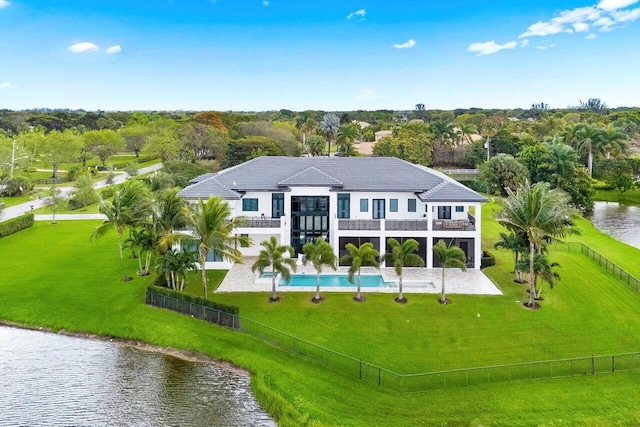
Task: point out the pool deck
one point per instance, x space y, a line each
240 278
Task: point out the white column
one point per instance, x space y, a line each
429 217
478 235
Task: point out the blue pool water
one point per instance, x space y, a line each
266 274
337 280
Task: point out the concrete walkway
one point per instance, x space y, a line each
240 278
17 210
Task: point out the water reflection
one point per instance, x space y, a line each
49 379
621 222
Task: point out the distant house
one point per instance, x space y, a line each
363 125
345 200
382 133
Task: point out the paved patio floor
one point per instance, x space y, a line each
240 278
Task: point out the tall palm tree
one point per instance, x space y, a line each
364 256
211 228
543 215
169 212
141 243
329 127
564 161
319 254
174 265
402 255
347 134
130 207
542 268
589 141
273 256
449 256
613 140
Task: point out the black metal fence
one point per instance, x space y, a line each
209 314
402 383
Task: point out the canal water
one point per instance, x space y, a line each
50 379
622 222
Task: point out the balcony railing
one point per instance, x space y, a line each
468 224
406 224
358 224
260 222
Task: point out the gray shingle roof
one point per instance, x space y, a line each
311 176
197 179
343 173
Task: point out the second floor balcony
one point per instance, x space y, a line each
260 222
468 224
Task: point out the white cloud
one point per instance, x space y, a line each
5 85
83 47
4 3
360 13
265 2
524 43
615 4
488 48
407 45
367 94
591 36
580 27
113 50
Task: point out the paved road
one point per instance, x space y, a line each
17 210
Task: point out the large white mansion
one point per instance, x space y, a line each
345 200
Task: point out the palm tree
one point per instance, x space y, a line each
589 140
465 130
364 256
543 269
319 253
347 134
141 242
403 255
563 161
130 207
449 256
169 214
516 243
543 216
211 228
273 256
174 265
613 140
329 127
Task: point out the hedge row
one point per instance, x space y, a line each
14 225
138 160
476 185
231 309
487 259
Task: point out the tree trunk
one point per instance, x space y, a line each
274 296
443 297
124 272
590 162
532 290
147 263
55 170
400 296
203 259
358 293
317 297
140 269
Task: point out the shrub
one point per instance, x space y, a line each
487 259
231 309
17 186
145 159
475 185
73 173
14 225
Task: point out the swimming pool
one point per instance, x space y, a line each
337 280
266 274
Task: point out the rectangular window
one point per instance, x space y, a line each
393 205
412 205
250 205
459 208
364 205
444 212
378 208
344 201
277 205
244 244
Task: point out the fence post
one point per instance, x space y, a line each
613 363
233 321
218 322
360 374
190 309
593 365
379 376
164 301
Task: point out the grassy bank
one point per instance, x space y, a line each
631 197
54 277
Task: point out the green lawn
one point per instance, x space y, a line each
631 197
12 201
76 287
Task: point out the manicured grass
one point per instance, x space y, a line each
76 287
12 201
631 197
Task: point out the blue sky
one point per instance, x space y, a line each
308 54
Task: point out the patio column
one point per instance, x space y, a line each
429 217
478 235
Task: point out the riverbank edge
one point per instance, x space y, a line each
269 399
